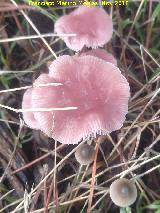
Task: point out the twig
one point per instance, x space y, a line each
49 174
37 160
93 176
36 36
31 86
38 109
133 123
13 153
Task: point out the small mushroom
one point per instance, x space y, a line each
123 192
85 154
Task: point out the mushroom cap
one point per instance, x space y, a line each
98 90
101 53
92 25
123 192
85 154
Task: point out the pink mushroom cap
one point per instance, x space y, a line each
100 53
92 25
95 86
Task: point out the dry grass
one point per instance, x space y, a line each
40 175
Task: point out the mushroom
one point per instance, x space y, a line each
85 154
96 87
92 25
123 192
100 53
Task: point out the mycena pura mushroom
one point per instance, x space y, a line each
92 25
96 87
102 54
